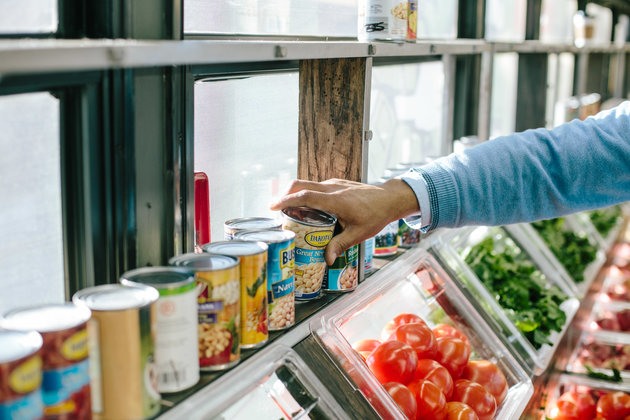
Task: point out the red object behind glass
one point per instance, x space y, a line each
202 209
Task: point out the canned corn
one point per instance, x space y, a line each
249 224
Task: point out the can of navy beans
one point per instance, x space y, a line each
249 224
280 280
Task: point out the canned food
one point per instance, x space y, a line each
412 20
280 280
343 275
66 378
253 263
249 224
383 19
218 308
407 236
121 341
20 375
313 230
176 340
368 257
386 241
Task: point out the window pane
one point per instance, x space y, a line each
31 251
28 16
246 135
405 115
336 18
556 20
503 107
505 20
437 19
565 105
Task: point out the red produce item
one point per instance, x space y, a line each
476 397
393 361
432 371
579 405
419 337
444 330
614 406
488 375
397 321
405 399
456 410
367 344
430 400
452 353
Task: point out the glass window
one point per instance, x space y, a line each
505 20
246 136
336 18
405 116
503 100
556 20
561 70
437 19
28 16
31 251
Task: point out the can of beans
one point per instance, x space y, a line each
176 340
66 378
383 19
407 236
121 341
280 280
343 275
218 308
313 230
20 375
249 224
253 263
386 241
369 254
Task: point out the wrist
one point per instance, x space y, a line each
401 198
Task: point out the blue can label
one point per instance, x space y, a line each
343 275
310 267
28 407
61 383
281 285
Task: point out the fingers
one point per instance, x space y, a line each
309 198
340 243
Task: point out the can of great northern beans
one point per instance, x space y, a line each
20 375
66 378
253 263
280 280
121 340
176 341
218 308
343 275
313 230
249 224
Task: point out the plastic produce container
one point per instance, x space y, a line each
505 258
615 284
415 284
602 352
610 316
607 223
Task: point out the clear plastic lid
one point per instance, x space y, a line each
46 318
15 345
485 245
236 248
416 284
274 384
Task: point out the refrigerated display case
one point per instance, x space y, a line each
607 223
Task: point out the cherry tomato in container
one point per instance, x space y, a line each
397 321
577 404
432 371
419 337
444 330
367 344
456 410
430 400
487 374
364 354
476 396
614 406
453 354
405 399
393 361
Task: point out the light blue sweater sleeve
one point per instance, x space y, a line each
536 174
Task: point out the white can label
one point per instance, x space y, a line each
383 19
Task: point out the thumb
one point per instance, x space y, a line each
338 245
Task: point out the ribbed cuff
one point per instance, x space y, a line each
442 196
419 186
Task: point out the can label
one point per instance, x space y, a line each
386 241
407 236
369 254
150 395
28 407
218 318
383 19
281 284
254 328
310 267
343 275
412 20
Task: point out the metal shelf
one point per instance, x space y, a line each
543 47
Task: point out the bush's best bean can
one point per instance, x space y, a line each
383 19
218 308
280 280
313 230
386 241
369 254
121 341
176 341
249 224
253 263
20 375
66 378
343 275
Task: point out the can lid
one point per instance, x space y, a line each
15 345
204 262
46 318
236 248
309 216
116 297
159 277
248 223
267 236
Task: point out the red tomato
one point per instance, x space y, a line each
393 361
476 397
419 337
444 330
396 322
405 399
453 354
489 376
614 406
432 371
456 410
367 344
430 400
364 354
581 405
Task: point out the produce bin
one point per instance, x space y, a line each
607 224
601 352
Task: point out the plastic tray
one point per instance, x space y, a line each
456 245
274 384
601 351
611 316
615 285
609 239
414 283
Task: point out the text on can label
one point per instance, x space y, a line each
27 377
75 347
318 239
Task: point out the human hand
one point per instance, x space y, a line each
362 210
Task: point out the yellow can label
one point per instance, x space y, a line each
27 377
76 347
318 239
254 328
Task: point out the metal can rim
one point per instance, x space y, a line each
32 341
179 260
332 219
283 235
80 315
262 247
127 277
82 297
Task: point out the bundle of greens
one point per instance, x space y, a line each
574 252
605 219
520 288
